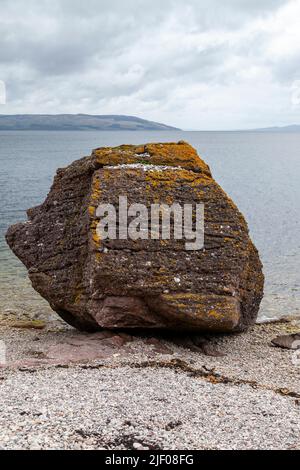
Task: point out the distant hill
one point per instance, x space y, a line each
78 122
292 128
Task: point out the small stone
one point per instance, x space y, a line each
138 446
33 324
287 341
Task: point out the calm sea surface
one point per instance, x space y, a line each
261 172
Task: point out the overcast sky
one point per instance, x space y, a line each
195 64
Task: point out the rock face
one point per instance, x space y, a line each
144 283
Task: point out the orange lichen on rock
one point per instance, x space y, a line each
207 311
167 154
94 200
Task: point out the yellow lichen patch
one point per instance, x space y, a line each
169 178
201 180
92 210
214 313
168 154
95 195
95 237
206 310
181 154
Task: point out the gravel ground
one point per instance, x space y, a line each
145 396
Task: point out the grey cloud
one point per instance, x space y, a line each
122 54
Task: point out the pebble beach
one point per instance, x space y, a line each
140 392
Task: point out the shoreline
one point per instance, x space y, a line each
64 390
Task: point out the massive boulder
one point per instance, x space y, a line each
95 283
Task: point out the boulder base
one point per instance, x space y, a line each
145 283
